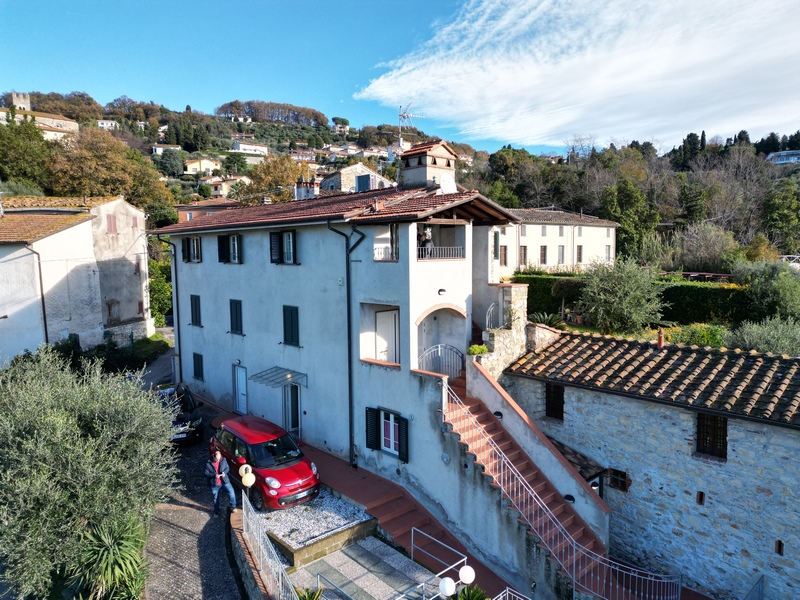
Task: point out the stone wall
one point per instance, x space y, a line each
121 334
715 522
507 343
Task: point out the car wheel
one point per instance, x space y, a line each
257 500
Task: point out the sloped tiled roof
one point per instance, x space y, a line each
763 387
392 205
426 147
31 227
56 202
212 203
558 217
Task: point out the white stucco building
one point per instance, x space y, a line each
77 266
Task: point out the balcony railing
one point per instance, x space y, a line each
442 358
439 252
385 253
590 572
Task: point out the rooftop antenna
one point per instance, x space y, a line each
405 117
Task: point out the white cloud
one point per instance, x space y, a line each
538 72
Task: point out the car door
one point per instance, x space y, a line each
238 450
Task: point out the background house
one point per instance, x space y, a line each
355 178
206 166
159 148
250 147
83 261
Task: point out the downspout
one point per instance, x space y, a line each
41 291
348 249
176 322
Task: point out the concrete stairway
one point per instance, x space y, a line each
591 577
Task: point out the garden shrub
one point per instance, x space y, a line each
699 334
700 302
774 334
540 296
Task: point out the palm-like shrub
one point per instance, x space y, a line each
549 319
472 592
308 594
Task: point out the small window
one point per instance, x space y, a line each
779 548
140 308
229 248
137 266
189 216
191 249
283 248
608 253
523 230
523 256
543 255
111 223
291 326
554 401
618 480
544 230
712 435
608 232
580 231
700 498
197 360
387 431
496 245
561 255
579 254
503 256
560 231
195 310
135 221
236 317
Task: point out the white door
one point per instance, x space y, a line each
387 335
291 410
240 389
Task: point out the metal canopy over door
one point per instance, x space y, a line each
291 410
240 388
387 335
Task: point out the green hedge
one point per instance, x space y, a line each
540 297
695 302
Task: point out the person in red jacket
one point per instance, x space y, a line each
217 472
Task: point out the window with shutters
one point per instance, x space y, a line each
111 223
197 361
560 231
580 231
523 256
283 248
291 326
236 317
195 311
554 401
229 248
387 431
496 245
544 230
503 256
561 255
191 249
608 253
579 254
712 435
543 255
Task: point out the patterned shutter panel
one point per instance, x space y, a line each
496 245
275 247
402 425
223 248
185 249
199 249
373 429
239 246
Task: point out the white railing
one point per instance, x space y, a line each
757 593
509 594
492 316
436 252
265 558
590 572
442 358
338 594
385 253
429 589
791 258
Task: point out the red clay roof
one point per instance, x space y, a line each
31 227
212 203
396 204
426 147
56 202
558 217
763 387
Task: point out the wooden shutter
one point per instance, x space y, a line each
275 247
373 429
291 326
199 257
496 245
223 248
239 246
236 316
185 249
402 425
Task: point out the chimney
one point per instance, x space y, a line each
660 338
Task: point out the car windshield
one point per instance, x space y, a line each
275 452
183 402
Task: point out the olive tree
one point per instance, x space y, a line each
82 453
621 297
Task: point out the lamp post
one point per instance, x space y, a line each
447 587
248 479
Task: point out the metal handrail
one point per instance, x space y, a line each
429 589
790 258
436 252
343 594
590 572
442 358
757 591
264 556
490 314
509 594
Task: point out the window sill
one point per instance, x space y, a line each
710 458
381 363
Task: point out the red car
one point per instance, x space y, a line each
284 476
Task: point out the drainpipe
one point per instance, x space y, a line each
348 249
41 291
175 312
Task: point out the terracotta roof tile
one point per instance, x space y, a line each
558 217
30 227
56 202
760 386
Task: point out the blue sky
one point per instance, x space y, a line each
532 73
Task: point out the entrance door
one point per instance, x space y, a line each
240 389
291 410
387 335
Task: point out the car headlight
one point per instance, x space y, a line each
197 422
313 468
272 482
